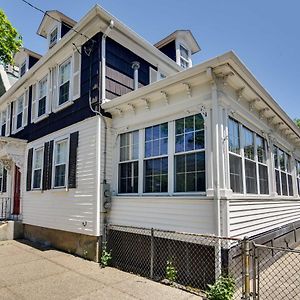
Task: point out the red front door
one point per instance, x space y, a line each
16 209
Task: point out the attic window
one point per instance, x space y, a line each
23 69
184 57
53 37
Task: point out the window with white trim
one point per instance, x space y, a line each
37 168
128 165
156 159
298 175
42 97
18 107
189 159
60 163
3 179
53 36
184 57
247 160
283 176
64 80
23 68
3 122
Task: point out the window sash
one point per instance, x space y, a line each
248 177
60 163
37 168
64 82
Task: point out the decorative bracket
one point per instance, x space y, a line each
252 104
203 111
6 163
277 125
132 107
120 111
239 93
165 96
262 112
188 89
147 103
270 120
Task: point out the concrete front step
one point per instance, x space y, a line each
11 230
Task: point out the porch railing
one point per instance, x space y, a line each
5 208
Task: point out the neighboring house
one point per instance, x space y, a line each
8 76
201 149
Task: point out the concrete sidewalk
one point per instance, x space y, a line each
30 273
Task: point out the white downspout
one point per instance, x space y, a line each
103 60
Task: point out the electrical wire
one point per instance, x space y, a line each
47 14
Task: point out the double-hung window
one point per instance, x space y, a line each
235 157
42 97
298 175
3 179
189 160
60 163
184 57
37 168
129 164
284 180
53 37
64 79
156 159
23 69
247 160
19 112
250 164
262 165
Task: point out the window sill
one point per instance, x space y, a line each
63 106
17 130
41 118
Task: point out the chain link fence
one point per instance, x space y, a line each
276 273
192 261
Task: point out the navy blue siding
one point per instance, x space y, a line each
118 58
169 50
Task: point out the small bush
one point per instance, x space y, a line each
105 256
223 289
171 272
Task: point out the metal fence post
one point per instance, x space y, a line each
254 267
151 253
246 268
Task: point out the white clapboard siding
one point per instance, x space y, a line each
68 210
168 213
254 217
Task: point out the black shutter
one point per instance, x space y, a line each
45 166
4 182
29 169
73 159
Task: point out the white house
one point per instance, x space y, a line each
104 116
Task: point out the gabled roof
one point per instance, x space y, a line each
49 17
184 34
19 56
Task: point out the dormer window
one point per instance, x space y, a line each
53 37
23 69
184 57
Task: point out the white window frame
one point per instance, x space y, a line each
70 99
286 171
53 43
255 160
128 161
171 161
15 113
297 161
3 115
24 64
57 141
41 148
180 43
36 117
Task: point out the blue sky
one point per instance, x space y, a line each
264 34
